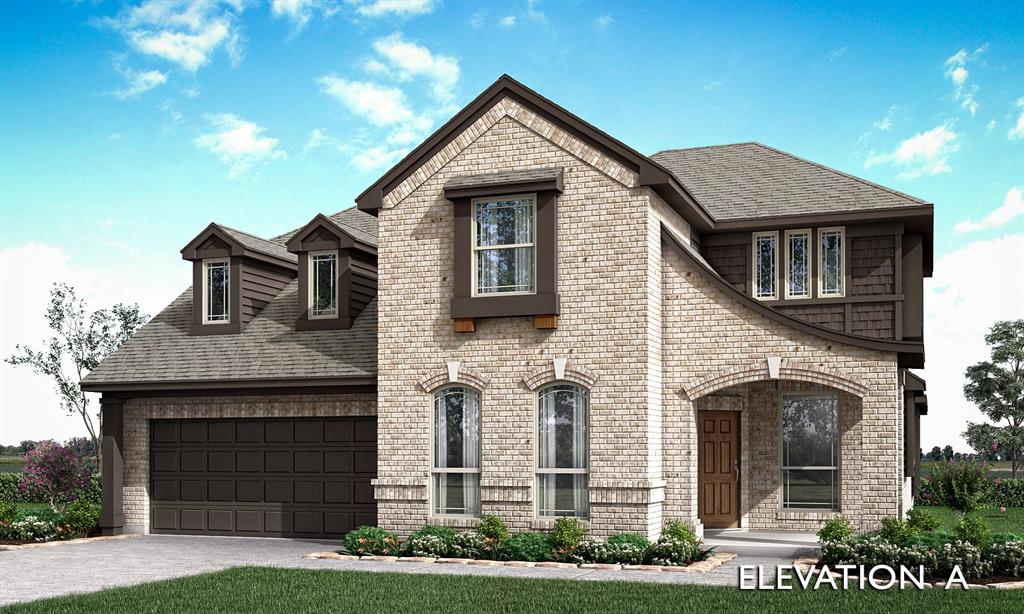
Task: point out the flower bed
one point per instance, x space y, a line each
43 525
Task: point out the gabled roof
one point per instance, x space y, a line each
241 244
751 181
350 237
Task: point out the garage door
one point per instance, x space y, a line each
307 477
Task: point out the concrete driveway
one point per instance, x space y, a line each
30 574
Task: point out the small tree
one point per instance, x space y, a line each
947 453
935 453
996 386
55 474
81 341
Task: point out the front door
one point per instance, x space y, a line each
718 483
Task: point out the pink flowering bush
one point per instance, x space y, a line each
55 474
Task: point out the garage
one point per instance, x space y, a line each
273 477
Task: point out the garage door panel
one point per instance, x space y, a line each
305 477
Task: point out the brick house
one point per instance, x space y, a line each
527 317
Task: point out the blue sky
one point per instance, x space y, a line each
126 127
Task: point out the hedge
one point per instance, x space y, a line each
9 490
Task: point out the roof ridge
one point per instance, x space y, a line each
704 147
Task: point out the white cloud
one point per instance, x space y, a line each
956 71
1013 206
140 83
114 136
407 60
183 32
837 53
885 124
401 8
377 157
297 11
925 153
239 143
713 85
1016 132
380 105
476 19
30 407
508 21
973 287
603 22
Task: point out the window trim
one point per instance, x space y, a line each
206 262
538 471
808 261
311 284
841 231
434 470
755 291
474 248
837 467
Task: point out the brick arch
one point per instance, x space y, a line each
546 374
788 370
443 376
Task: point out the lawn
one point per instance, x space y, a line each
1010 522
1000 469
258 589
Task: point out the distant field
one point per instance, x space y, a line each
1000 469
11 464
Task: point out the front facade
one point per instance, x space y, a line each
562 326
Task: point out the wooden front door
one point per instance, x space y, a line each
718 443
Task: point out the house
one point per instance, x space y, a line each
529 318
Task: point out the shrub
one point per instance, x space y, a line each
896 531
471 545
620 552
567 533
8 510
629 538
1007 558
973 530
963 554
932 539
673 552
962 485
55 474
1002 538
679 531
921 519
427 545
29 528
527 547
371 541
9 490
80 519
444 533
492 527
1007 492
835 528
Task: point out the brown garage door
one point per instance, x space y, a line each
302 477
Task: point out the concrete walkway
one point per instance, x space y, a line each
30 574
771 544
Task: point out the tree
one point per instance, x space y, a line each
81 341
935 453
996 386
947 453
55 474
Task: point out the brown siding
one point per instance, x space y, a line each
259 286
873 320
829 316
872 270
364 284
731 263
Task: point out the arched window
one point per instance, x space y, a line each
562 450
456 464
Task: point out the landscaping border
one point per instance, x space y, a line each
714 560
808 565
58 542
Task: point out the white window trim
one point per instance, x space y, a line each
807 266
537 471
434 469
774 234
475 248
206 290
841 230
838 467
311 285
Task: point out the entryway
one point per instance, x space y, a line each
718 473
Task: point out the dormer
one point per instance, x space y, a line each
234 276
337 269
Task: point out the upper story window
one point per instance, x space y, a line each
831 266
456 468
323 284
503 245
766 265
217 291
562 451
810 451
798 263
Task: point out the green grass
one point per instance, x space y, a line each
1010 522
256 589
1000 469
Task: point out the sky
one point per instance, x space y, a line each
125 128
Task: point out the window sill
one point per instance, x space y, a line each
546 524
455 522
809 514
506 306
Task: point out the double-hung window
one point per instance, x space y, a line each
504 247
562 451
456 467
323 284
766 265
831 270
216 291
810 451
798 264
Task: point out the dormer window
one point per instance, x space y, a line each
323 284
766 265
831 262
503 245
217 291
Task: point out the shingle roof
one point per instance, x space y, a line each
751 180
269 347
504 177
360 225
259 244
